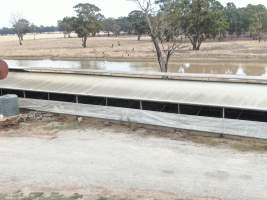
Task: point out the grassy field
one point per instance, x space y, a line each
56 47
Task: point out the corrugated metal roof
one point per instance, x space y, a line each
232 95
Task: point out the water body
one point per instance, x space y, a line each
241 69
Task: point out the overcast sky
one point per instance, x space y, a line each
47 12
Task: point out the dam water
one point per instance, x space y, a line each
222 68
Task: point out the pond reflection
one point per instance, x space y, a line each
241 69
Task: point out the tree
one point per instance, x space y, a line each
111 25
107 25
66 25
116 28
33 29
6 31
21 27
124 24
257 17
138 23
243 21
218 23
233 18
161 28
46 29
88 21
201 19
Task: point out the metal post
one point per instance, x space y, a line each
106 101
223 113
179 109
141 105
24 94
76 99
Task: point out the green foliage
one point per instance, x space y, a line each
21 27
88 21
116 26
124 24
108 25
66 25
252 19
257 18
40 196
102 198
203 19
169 19
232 15
138 23
197 19
111 25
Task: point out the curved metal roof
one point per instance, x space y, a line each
219 94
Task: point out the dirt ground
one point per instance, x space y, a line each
56 153
126 48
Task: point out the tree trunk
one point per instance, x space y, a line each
196 45
259 37
139 37
162 62
196 42
20 40
84 40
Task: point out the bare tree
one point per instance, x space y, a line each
21 26
164 31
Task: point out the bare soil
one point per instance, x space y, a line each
127 48
55 153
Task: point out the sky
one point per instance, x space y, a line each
47 12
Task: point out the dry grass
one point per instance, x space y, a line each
55 46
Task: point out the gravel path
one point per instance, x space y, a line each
80 160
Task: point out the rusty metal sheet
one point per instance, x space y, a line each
3 69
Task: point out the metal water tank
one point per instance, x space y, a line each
9 105
3 69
